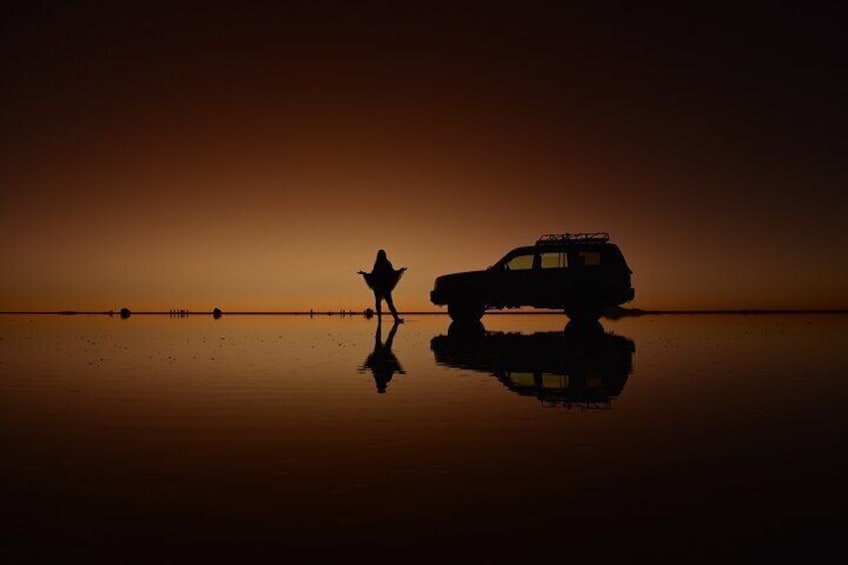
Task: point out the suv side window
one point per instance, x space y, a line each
520 263
553 260
588 258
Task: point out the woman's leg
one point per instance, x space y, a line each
391 304
379 307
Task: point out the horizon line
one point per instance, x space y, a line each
616 313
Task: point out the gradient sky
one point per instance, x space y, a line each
257 157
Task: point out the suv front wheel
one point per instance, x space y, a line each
466 311
585 313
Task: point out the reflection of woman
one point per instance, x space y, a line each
382 361
382 280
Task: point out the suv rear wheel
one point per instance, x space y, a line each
466 311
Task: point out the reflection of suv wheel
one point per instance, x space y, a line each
466 311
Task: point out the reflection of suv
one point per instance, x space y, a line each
583 274
585 368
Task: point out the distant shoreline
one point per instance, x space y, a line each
612 314
632 312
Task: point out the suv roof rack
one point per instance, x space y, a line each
560 238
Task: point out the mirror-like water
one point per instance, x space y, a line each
306 439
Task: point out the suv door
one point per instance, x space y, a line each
513 279
587 281
552 278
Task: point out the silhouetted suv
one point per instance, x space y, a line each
583 274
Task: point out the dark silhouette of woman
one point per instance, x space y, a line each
382 361
382 280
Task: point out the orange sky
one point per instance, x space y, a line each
257 159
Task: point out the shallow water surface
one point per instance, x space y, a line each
691 437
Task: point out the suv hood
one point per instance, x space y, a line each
455 278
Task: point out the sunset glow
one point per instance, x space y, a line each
258 160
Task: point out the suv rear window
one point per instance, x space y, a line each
588 258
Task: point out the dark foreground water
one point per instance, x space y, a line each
294 439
